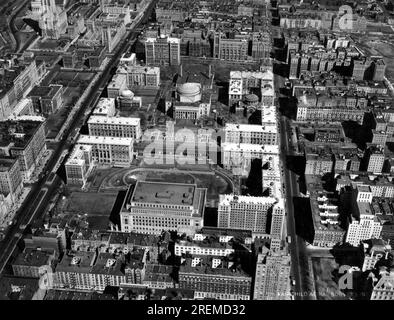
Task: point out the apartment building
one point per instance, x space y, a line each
24 140
272 278
11 181
365 224
216 279
162 51
250 213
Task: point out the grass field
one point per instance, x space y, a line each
92 203
375 46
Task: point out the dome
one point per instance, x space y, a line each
251 98
127 93
189 89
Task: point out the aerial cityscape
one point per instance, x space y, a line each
196 150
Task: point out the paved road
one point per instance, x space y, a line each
298 254
42 191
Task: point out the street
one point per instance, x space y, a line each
299 258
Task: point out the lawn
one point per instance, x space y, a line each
91 203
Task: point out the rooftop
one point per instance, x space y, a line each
114 120
18 132
88 139
165 193
33 257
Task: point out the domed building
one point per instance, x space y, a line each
189 92
127 100
191 102
251 99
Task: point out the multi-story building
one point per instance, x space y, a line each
18 80
201 248
294 60
84 270
124 127
105 107
24 140
272 279
231 49
374 250
251 134
117 85
384 288
128 101
162 51
46 100
151 207
379 70
261 45
238 157
215 279
30 261
250 213
307 112
376 161
140 76
365 224
243 83
319 164
79 164
192 102
109 150
11 181
326 231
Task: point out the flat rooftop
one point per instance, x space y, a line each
33 257
114 120
87 139
164 193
